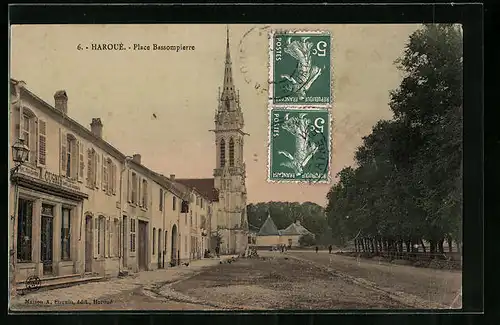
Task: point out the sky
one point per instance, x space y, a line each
125 89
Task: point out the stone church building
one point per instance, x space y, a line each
227 189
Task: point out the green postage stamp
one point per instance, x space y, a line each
300 69
299 145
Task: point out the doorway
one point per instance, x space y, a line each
173 253
124 242
159 249
89 240
46 250
143 241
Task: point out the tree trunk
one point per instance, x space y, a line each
385 245
408 245
432 245
423 246
450 244
441 246
372 244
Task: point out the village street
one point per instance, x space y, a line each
293 280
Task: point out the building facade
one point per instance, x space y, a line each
269 235
79 206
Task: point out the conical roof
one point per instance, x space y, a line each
268 228
295 229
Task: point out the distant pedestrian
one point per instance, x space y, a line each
282 248
330 249
317 249
217 251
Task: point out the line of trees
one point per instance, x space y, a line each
406 187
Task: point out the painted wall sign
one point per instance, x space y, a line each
49 177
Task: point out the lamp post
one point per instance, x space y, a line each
19 155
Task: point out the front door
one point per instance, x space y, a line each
159 249
143 245
89 240
47 244
124 242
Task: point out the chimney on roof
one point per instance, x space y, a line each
61 101
137 158
172 177
96 127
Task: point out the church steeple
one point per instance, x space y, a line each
228 91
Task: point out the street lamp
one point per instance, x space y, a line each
20 154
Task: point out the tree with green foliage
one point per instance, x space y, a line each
307 240
407 183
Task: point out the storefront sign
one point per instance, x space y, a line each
61 181
49 177
30 171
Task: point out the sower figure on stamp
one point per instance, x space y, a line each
307 73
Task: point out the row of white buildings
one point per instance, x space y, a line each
85 207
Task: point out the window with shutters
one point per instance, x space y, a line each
109 176
144 194
99 234
105 175
28 132
71 157
81 161
112 179
91 167
134 188
161 199
231 152
42 142
132 235
222 153
108 237
116 238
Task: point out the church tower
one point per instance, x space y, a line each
230 174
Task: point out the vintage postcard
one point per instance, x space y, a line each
235 167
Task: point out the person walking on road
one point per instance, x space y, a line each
316 249
330 249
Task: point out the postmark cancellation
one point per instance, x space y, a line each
299 145
300 68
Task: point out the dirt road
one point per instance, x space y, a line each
280 282
439 286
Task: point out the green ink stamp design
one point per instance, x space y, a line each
299 145
300 68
